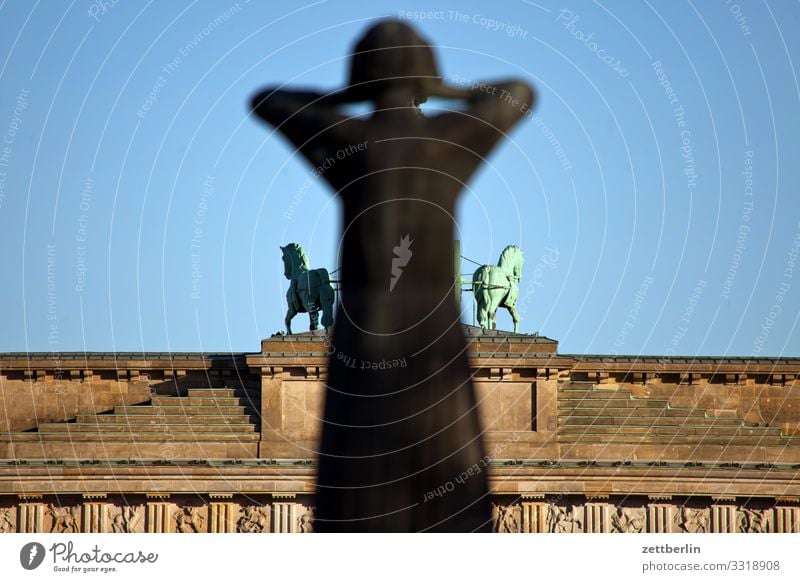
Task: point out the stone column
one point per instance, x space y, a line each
787 518
660 515
221 513
93 515
723 515
271 409
284 514
30 515
534 517
159 515
596 516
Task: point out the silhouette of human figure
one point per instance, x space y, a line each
400 410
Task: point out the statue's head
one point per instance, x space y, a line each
391 54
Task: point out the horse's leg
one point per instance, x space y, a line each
482 299
313 316
313 313
307 303
481 296
494 303
290 313
512 309
310 301
326 301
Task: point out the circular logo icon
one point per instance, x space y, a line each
31 555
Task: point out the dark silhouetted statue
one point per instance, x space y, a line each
401 445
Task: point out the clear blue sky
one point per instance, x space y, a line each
141 207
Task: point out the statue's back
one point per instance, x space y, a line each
401 443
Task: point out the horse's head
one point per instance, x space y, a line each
511 260
294 258
518 265
287 262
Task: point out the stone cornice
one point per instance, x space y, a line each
491 350
291 478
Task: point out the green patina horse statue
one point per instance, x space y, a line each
310 290
498 286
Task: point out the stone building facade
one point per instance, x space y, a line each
124 442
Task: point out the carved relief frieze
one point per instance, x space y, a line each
693 519
564 519
306 520
190 519
628 520
561 514
753 520
126 519
8 519
254 519
64 519
506 518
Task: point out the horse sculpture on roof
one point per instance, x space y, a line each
310 290
498 286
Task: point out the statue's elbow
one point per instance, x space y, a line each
263 104
524 95
257 100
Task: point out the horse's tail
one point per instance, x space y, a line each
480 279
324 278
325 287
481 285
326 297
